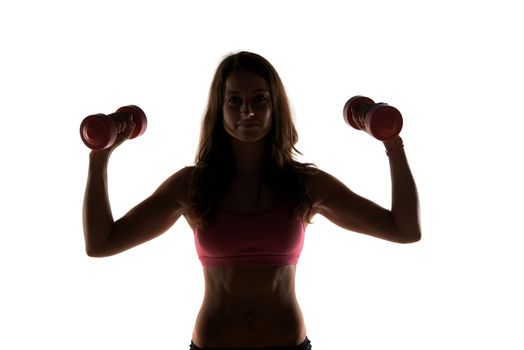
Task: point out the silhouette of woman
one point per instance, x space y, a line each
248 202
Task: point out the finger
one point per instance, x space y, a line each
362 121
120 125
129 126
131 122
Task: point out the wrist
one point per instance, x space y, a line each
393 145
101 156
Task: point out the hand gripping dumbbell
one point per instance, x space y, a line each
99 131
381 120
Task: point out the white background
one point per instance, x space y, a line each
453 68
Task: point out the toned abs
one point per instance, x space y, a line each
249 306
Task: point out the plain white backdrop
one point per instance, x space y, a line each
453 68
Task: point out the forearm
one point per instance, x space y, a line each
405 203
97 216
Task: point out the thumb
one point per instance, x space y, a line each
130 125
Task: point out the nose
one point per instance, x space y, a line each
246 111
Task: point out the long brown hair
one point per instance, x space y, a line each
214 163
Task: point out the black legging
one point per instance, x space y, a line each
306 345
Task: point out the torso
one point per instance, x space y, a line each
249 306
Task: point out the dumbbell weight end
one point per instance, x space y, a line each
99 131
381 121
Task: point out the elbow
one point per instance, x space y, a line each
96 245
409 232
408 237
94 252
411 239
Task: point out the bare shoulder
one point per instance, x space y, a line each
319 184
182 176
175 186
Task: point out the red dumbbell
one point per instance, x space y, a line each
381 120
99 131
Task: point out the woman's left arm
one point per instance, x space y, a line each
339 204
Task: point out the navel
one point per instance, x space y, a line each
249 319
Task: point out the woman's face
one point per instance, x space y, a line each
247 106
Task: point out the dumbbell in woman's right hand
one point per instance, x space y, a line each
101 131
380 120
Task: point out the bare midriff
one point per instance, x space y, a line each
249 307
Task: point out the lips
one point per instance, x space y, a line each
248 125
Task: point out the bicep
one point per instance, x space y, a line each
150 218
345 208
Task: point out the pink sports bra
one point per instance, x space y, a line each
245 239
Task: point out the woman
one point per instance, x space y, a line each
248 203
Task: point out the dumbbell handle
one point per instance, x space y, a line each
382 121
99 131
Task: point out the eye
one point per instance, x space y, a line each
233 100
261 98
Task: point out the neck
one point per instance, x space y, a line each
249 159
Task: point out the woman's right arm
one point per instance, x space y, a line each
149 219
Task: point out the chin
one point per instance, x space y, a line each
249 139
